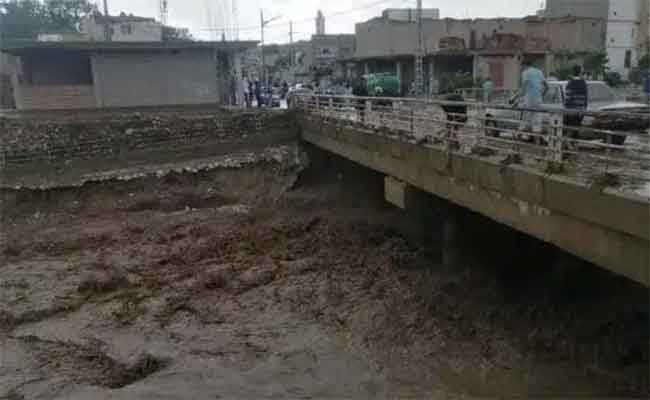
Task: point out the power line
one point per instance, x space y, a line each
305 20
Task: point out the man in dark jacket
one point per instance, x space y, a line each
360 89
576 98
257 89
456 113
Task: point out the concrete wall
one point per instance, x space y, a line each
381 37
410 14
577 8
644 31
511 69
623 30
332 47
139 79
571 34
127 31
606 229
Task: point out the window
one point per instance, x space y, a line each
126 29
600 92
628 59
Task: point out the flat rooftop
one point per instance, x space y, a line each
31 46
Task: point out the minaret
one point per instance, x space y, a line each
320 23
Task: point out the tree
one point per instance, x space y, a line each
25 19
66 15
20 19
596 64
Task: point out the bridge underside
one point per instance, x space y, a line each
606 228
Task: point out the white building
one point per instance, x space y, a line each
626 26
623 30
122 28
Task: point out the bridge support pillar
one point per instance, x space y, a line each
438 221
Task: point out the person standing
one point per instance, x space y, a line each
257 92
576 99
245 86
233 89
533 87
251 91
488 87
285 89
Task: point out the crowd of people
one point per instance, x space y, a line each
254 93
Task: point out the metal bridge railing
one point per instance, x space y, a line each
610 149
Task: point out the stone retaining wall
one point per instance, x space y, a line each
37 140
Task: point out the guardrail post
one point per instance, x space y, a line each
556 142
330 104
368 111
317 105
481 116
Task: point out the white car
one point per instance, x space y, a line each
601 98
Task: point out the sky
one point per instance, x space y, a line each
206 19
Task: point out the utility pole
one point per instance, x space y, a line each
291 52
263 24
108 35
263 72
419 70
235 17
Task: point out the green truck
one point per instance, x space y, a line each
383 85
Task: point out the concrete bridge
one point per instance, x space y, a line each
569 204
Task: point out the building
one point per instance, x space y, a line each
644 36
627 26
122 28
320 23
479 47
329 55
324 57
71 75
623 31
410 14
577 8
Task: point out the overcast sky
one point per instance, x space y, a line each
201 15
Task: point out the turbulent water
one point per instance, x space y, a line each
252 282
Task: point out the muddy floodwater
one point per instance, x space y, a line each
256 282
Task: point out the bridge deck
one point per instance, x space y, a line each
573 209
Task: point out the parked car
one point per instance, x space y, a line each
272 99
601 98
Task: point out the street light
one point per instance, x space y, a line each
263 24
